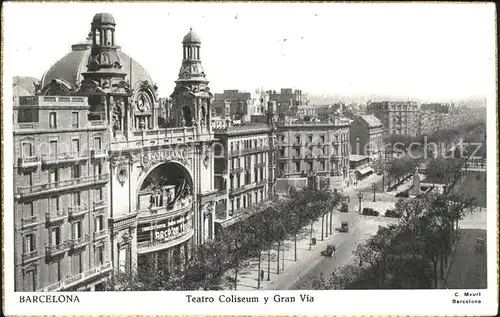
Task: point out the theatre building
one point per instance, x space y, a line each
150 177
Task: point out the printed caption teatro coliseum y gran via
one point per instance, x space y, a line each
106 172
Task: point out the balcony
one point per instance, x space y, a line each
237 170
221 193
74 280
100 206
248 151
98 154
59 215
246 187
79 242
100 234
29 221
179 207
62 185
30 255
61 158
26 126
29 162
53 250
77 211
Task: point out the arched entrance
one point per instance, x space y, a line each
165 222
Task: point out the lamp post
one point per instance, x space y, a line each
360 196
374 187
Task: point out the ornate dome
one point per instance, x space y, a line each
191 37
103 18
70 68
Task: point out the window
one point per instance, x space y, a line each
98 169
322 139
76 264
26 150
29 243
77 229
74 120
75 171
75 146
124 259
297 166
28 210
54 272
261 173
310 166
55 236
30 280
54 203
99 255
98 194
53 149
310 138
478 177
297 140
237 203
282 152
322 165
76 199
27 178
99 223
282 167
97 143
53 120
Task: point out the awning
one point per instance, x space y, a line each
365 170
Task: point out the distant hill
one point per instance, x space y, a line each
25 83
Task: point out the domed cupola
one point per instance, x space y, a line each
191 99
191 38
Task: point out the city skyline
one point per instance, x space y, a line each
444 57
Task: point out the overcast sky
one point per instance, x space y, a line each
426 51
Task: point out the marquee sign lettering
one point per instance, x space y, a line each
151 158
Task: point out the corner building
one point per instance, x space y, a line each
154 187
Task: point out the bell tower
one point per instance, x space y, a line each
191 99
104 81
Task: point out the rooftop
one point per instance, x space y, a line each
356 158
243 129
371 120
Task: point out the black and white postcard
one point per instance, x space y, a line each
249 158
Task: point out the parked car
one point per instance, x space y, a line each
344 227
404 194
344 208
392 213
370 212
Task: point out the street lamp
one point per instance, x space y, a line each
360 196
374 187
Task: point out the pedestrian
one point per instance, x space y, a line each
261 275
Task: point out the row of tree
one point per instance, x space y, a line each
262 227
412 254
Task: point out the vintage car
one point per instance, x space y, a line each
479 245
330 249
344 226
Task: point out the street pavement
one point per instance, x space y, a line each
297 274
468 269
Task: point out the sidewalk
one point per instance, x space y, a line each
248 273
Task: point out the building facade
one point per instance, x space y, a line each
136 181
61 203
367 137
239 105
396 117
287 101
244 168
319 149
